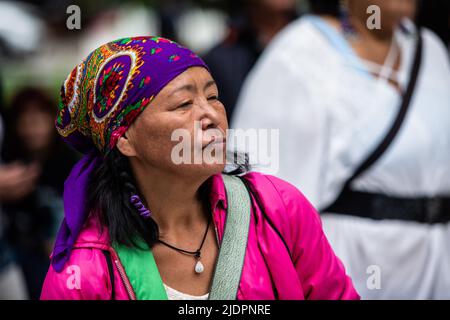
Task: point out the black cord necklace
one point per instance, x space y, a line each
199 268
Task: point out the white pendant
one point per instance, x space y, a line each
199 267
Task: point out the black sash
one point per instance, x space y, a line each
377 206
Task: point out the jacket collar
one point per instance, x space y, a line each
217 192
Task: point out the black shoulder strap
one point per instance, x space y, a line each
395 128
110 271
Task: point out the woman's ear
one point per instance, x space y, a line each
125 147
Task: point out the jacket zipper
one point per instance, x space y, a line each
124 280
217 235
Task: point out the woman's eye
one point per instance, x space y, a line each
184 105
212 98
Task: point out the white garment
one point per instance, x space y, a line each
331 114
173 294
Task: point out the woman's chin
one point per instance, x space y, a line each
201 170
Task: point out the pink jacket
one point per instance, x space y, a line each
296 264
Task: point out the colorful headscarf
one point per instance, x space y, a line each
99 101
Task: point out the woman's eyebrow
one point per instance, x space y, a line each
190 87
209 84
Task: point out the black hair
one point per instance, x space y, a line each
325 7
109 193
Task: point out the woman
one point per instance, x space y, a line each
121 106
16 181
336 90
33 218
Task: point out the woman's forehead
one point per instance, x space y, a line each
192 78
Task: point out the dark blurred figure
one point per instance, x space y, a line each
33 218
435 14
168 12
16 181
250 31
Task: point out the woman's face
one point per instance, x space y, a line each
175 132
35 129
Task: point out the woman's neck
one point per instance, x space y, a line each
174 201
371 45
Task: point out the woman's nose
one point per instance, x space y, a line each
209 117
207 123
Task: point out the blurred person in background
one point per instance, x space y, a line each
33 217
250 31
16 181
369 148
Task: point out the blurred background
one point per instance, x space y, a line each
37 51
41 50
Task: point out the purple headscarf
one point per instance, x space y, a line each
99 100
